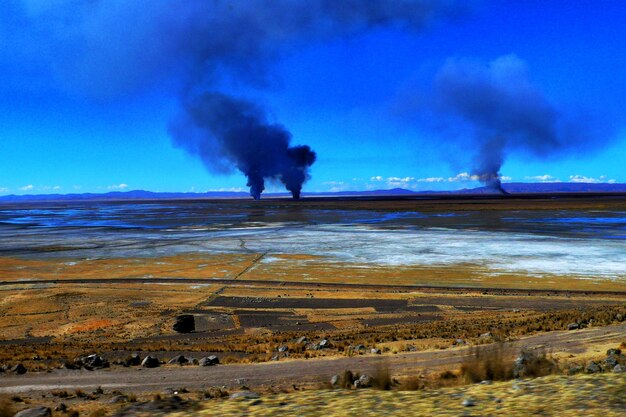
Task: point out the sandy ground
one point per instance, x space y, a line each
573 344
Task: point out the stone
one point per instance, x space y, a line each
334 381
575 369
364 381
209 361
412 348
118 399
469 402
573 326
94 361
150 362
459 342
375 351
19 369
610 362
618 369
619 317
244 395
324 344
613 352
486 335
35 412
133 360
283 348
593 367
185 323
302 340
178 360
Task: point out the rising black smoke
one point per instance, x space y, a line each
245 138
500 110
112 47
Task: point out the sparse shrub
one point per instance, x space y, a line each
6 408
492 362
382 378
100 412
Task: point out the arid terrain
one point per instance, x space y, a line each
287 294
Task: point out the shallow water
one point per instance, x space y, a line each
591 243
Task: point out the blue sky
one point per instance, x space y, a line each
341 97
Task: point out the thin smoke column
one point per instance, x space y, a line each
495 109
216 126
109 48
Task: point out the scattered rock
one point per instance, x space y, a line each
178 360
486 335
324 344
19 369
159 406
150 362
459 342
93 361
610 362
209 361
469 402
118 399
375 351
593 367
61 407
283 348
573 326
302 340
334 381
185 323
412 348
619 317
613 352
244 395
133 360
618 369
575 369
35 412
364 381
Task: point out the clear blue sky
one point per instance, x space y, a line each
338 96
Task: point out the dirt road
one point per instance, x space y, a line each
290 371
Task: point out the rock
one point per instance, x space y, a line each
412 348
302 340
118 399
616 352
94 362
244 395
133 360
573 326
468 402
150 362
610 362
324 344
209 361
619 317
486 335
364 381
61 407
618 369
459 342
19 369
575 369
334 381
35 412
375 351
185 323
178 360
283 348
593 367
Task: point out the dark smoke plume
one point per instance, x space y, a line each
112 47
495 109
243 136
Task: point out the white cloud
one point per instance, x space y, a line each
4 190
377 178
28 187
506 178
543 178
592 180
432 179
77 187
464 176
117 186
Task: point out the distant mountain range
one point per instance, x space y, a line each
513 188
